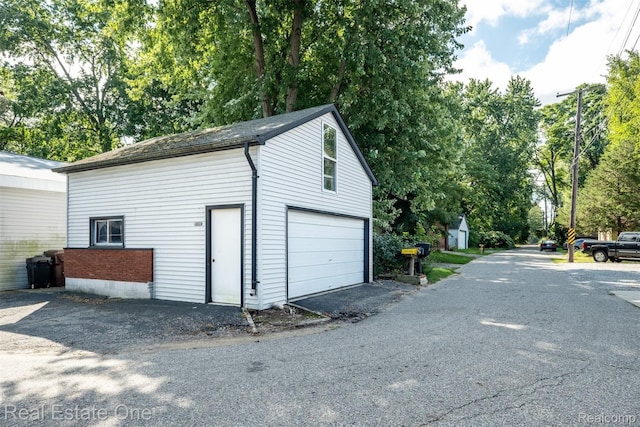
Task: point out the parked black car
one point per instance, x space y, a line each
548 245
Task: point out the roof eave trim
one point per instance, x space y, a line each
282 129
354 146
166 155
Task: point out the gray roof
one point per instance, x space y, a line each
226 137
22 166
456 224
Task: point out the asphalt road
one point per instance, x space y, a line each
512 340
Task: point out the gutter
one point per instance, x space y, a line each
254 221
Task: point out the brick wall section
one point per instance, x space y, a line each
123 265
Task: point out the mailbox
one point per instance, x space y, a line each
424 249
411 251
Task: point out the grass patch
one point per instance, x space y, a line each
578 257
442 258
438 273
476 251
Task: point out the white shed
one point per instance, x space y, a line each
459 233
32 214
252 214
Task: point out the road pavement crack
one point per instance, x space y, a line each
625 368
521 394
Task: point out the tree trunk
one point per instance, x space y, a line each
258 47
335 90
294 54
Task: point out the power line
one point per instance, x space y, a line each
634 45
570 12
599 129
620 26
633 24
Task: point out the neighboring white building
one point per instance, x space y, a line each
459 233
252 214
32 214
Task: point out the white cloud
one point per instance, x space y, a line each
557 19
597 30
581 57
524 37
491 11
477 63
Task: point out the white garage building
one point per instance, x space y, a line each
32 214
252 214
458 233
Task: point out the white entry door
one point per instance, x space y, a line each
226 255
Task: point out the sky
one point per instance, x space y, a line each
556 44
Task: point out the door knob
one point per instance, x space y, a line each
213 260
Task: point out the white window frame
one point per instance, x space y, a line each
326 157
96 222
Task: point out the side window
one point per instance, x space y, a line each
329 157
107 231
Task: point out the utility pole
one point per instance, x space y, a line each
574 181
545 221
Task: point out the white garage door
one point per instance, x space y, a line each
324 252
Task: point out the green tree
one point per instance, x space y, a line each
552 157
123 70
536 223
554 154
78 49
381 62
610 198
501 133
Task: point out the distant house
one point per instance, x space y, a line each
32 214
605 234
459 233
253 214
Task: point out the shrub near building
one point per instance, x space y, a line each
491 239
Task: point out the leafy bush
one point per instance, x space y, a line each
491 239
386 253
387 247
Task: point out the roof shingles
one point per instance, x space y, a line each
198 141
213 139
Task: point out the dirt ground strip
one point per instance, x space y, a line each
53 319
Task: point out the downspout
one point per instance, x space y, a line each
254 221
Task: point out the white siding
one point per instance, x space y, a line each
164 206
31 222
291 174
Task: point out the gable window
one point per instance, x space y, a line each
329 157
107 231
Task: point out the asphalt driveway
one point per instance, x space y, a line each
53 317
46 318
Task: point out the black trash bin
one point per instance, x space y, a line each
57 266
39 271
